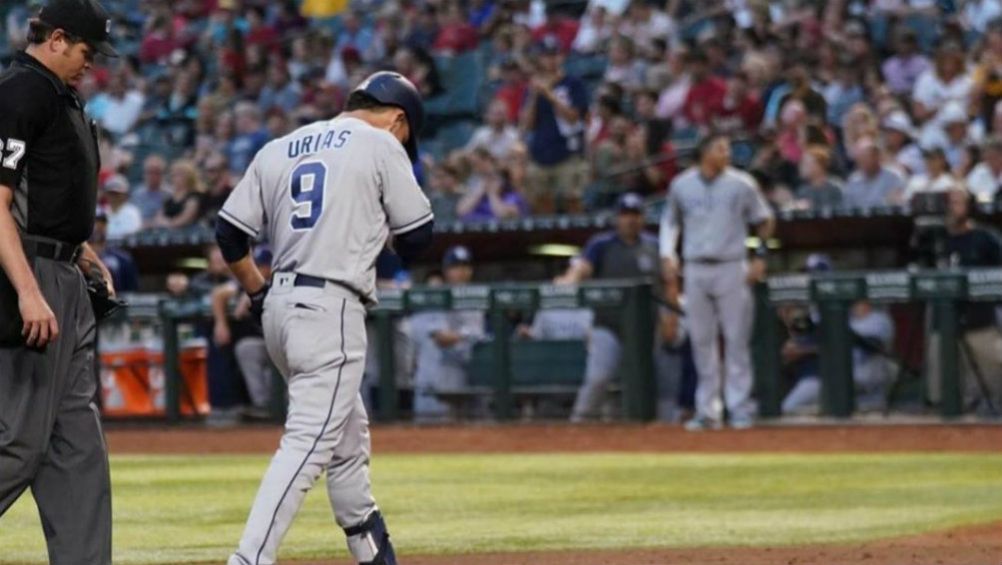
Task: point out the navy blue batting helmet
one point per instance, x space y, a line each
393 89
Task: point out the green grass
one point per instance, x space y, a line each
172 509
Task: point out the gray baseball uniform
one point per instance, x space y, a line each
326 196
714 215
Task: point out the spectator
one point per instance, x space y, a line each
258 31
978 14
419 68
971 245
645 24
650 166
281 91
676 92
986 78
902 70
250 137
455 34
947 81
843 92
898 136
873 183
490 194
219 183
512 90
952 136
158 41
558 28
444 342
705 98
626 252
741 109
177 285
818 190
122 105
150 196
608 157
238 330
595 31
124 274
797 85
624 67
183 207
357 34
711 205
445 192
553 118
124 218
177 116
497 135
937 176
984 179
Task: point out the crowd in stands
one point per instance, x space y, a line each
840 103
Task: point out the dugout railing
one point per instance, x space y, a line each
833 294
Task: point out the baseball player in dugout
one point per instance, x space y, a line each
50 432
711 205
326 197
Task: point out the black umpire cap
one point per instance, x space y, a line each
86 19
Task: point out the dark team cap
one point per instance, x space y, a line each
86 19
457 255
630 202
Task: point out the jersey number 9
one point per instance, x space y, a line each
308 183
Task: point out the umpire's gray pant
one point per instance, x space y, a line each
50 429
718 300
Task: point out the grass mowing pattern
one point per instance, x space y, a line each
171 509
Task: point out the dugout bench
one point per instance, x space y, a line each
513 371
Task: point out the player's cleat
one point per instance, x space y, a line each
742 422
369 542
701 424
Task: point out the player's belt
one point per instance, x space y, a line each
49 249
317 282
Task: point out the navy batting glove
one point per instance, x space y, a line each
257 302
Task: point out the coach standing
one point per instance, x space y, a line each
50 432
712 204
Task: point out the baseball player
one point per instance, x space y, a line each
326 196
713 204
50 430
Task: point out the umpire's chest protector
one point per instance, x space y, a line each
55 177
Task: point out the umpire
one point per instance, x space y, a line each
712 204
50 432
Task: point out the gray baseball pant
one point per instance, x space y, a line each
316 337
604 354
252 357
50 428
718 300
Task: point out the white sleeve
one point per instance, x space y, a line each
406 206
668 234
244 208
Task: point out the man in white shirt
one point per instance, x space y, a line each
497 136
122 105
983 181
124 218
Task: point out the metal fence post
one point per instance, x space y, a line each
834 295
501 364
637 364
949 357
765 354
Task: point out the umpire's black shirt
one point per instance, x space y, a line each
49 153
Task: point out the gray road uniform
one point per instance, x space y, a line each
442 368
326 196
713 217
